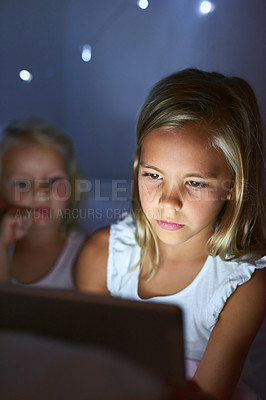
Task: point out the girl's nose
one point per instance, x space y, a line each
42 190
171 199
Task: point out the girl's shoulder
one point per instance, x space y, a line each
77 235
90 270
122 233
96 245
224 278
98 239
107 248
123 249
123 257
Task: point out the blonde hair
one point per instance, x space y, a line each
40 131
227 108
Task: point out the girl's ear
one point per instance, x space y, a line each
230 190
229 185
229 195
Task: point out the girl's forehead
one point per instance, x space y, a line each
32 150
189 148
31 156
190 136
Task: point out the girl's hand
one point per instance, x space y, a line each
191 392
14 223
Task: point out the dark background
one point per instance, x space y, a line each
97 103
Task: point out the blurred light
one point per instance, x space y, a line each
25 75
86 53
143 4
206 7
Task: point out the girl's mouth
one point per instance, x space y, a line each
169 226
41 213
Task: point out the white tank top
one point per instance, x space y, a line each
202 300
61 275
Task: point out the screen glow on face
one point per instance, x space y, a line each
183 184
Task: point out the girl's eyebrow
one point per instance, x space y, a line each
195 174
203 175
57 172
150 167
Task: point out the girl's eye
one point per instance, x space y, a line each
154 177
23 184
51 181
197 185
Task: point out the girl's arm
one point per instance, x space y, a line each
220 368
90 268
90 275
4 267
14 225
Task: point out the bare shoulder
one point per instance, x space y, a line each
251 295
245 309
230 340
90 269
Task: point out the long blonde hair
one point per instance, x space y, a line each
227 108
40 131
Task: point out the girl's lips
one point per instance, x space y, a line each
169 226
42 209
41 213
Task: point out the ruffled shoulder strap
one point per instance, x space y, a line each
124 252
240 272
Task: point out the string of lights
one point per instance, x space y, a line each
205 7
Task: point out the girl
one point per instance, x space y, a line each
38 175
195 237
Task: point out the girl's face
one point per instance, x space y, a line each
34 176
183 184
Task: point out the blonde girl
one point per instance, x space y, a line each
39 239
196 234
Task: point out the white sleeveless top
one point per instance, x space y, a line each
201 301
61 275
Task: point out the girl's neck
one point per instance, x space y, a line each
36 255
39 237
176 270
184 252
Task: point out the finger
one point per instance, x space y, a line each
20 212
191 392
17 230
3 204
3 208
14 226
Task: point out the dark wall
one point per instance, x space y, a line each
97 102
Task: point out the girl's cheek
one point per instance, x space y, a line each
21 197
18 196
208 210
145 203
62 191
12 195
148 195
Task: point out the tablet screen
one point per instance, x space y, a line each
149 333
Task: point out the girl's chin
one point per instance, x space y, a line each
41 220
43 223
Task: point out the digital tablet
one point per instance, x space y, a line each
149 333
